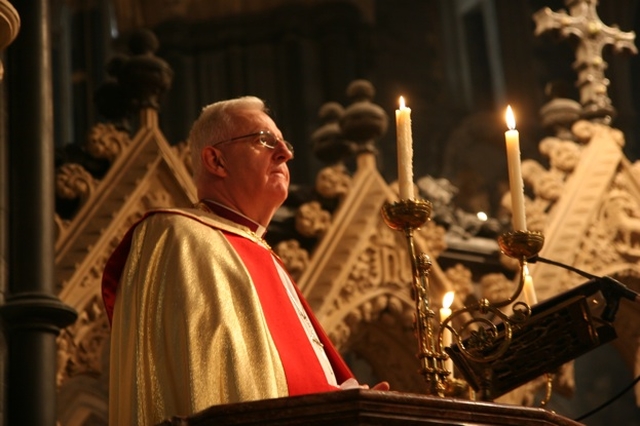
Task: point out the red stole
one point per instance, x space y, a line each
302 368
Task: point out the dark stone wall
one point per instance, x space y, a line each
299 56
296 58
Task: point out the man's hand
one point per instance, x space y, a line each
382 386
353 384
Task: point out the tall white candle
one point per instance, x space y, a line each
516 184
404 142
445 312
528 289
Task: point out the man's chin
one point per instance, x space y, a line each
278 195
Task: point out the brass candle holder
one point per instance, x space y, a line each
500 353
407 216
521 245
483 339
497 351
486 338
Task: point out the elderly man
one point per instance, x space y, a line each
202 311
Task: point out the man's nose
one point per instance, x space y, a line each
284 151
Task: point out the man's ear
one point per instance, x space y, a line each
212 161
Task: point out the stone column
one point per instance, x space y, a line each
33 315
9 25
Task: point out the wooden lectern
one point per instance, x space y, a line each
369 407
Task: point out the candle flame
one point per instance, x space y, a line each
511 120
447 301
402 106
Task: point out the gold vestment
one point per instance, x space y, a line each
178 343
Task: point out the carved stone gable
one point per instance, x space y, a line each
359 281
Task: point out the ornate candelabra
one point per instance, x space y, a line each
479 341
407 216
495 349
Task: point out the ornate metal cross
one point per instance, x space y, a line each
584 23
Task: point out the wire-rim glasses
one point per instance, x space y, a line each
267 139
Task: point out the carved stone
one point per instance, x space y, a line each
593 35
9 27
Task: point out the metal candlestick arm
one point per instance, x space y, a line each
519 245
486 342
407 216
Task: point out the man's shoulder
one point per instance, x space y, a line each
175 213
188 216
191 217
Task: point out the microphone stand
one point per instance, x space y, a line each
612 289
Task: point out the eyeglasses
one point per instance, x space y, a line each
267 139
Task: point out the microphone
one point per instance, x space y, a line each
612 285
622 290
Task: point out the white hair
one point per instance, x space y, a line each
216 123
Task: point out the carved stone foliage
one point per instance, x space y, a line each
93 277
106 141
307 214
74 186
73 181
294 257
80 346
153 198
79 168
460 278
547 185
496 287
614 236
333 181
312 220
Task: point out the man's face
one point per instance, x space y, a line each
256 173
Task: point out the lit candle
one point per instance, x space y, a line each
405 151
515 174
445 312
528 289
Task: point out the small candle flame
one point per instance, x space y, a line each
511 120
402 106
447 301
